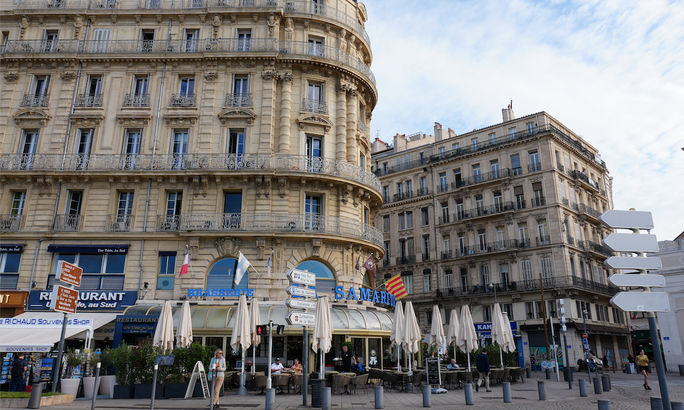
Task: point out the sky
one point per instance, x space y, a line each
612 71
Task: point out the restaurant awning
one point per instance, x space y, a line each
39 331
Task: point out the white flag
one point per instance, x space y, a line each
242 266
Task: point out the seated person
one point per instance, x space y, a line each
452 365
248 366
357 366
277 367
296 367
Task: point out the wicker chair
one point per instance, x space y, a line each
260 382
359 381
451 380
282 381
297 381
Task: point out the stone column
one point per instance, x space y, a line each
352 109
341 123
268 100
285 114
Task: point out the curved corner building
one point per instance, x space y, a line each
134 130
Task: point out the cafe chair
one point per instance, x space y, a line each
359 381
260 382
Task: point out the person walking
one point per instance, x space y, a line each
642 362
482 362
346 359
218 363
18 371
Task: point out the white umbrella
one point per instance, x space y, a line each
499 330
322 336
253 323
437 336
241 337
163 334
452 330
412 335
510 340
467 337
397 334
184 331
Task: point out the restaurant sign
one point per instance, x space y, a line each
485 329
87 299
365 294
219 293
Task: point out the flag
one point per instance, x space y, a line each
242 266
268 266
369 264
186 261
358 263
395 286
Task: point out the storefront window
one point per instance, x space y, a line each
221 275
100 271
9 268
325 279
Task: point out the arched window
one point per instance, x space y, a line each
325 279
221 275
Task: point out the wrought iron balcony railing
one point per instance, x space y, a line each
272 222
315 106
67 223
85 100
32 100
136 100
483 211
406 259
182 100
119 223
238 100
10 223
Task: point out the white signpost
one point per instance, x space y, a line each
641 301
628 262
301 304
300 291
629 242
301 277
628 280
301 318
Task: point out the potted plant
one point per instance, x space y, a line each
121 359
107 381
89 387
142 370
177 376
70 383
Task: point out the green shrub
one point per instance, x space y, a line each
142 362
121 359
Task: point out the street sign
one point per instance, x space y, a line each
301 277
69 273
301 318
651 281
301 291
628 262
301 304
631 242
641 301
628 219
64 299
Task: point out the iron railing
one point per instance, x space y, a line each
269 222
238 100
590 211
85 100
10 223
483 211
32 100
67 223
403 260
136 100
584 178
182 100
315 106
119 223
543 240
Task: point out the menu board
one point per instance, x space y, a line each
433 374
46 365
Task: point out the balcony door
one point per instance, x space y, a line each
73 210
124 210
49 44
40 85
131 147
101 40
313 211
232 210
241 90
146 41
174 205
179 148
314 153
236 147
83 145
140 84
190 39
27 148
314 98
244 37
316 46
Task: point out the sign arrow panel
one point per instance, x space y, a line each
628 262
300 291
301 277
630 242
641 301
301 304
628 219
653 281
301 318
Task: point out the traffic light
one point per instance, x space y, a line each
280 329
262 330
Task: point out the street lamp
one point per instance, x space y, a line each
586 348
491 286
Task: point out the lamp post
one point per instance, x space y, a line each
586 347
492 286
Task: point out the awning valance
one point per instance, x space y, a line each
11 248
100 249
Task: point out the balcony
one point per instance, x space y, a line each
564 282
67 223
402 195
481 178
182 100
589 211
238 100
560 166
119 223
484 211
10 223
404 260
534 167
32 100
581 176
422 191
284 163
273 222
447 254
543 240
538 201
598 248
89 101
314 106
137 100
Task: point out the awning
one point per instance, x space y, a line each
14 248
100 249
39 331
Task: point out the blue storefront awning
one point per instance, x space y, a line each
13 248
100 249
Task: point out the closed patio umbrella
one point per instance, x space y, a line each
184 331
467 337
163 334
253 323
412 336
452 330
241 337
499 331
437 336
510 340
397 334
322 335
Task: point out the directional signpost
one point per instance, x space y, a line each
64 299
301 277
632 301
301 304
302 319
303 291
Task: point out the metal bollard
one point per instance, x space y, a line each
610 383
378 396
325 405
409 387
604 383
527 372
96 387
36 394
270 398
548 374
604 405
468 390
540 389
582 388
154 387
656 403
677 405
507 392
426 396
597 386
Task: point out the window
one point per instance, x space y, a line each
240 97
582 271
551 309
561 188
316 46
27 148
94 90
492 137
461 245
527 276
244 39
40 87
498 201
523 236
539 309
9 270
500 237
236 147
222 274
401 219
477 173
426 247
167 269
313 212
71 218
140 84
512 131
400 190
479 204
426 280
423 186
473 143
455 146
537 194
504 275
530 127
232 210
507 310
486 313
458 181
124 209
535 165
314 152
325 278
100 40
496 172
515 164
179 147
385 194
187 88
407 277
446 246
448 279
529 310
385 223
100 271
388 245
82 147
484 275
18 200
131 149
190 39
424 217
409 219
443 185
542 237
409 188
174 206
445 213
146 41
442 151
482 240
460 212
362 162
464 279
572 265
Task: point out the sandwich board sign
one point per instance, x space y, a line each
198 371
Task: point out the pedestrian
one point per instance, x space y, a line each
346 359
482 362
642 362
218 363
18 371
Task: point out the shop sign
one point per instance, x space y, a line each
11 248
44 322
12 299
485 329
365 294
87 299
219 293
137 324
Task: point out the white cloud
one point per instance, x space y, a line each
611 71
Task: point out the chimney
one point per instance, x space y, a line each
451 132
507 112
438 131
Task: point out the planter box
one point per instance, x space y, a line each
107 385
123 391
144 391
175 390
70 386
89 387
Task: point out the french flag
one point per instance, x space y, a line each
186 261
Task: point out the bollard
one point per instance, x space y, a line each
582 388
597 385
468 390
325 405
270 398
409 386
378 396
507 392
610 383
527 372
426 396
540 389
36 394
548 374
677 405
154 387
604 405
604 383
656 403
96 388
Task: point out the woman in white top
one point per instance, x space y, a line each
218 363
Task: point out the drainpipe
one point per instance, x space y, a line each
434 226
159 99
35 261
73 99
142 243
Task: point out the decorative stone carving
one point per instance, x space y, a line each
272 21
236 113
227 246
11 76
194 245
87 119
216 23
314 120
316 244
31 117
269 74
134 119
282 187
210 75
286 76
67 75
181 119
78 24
24 25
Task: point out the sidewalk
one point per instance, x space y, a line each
627 393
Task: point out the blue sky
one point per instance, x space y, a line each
611 71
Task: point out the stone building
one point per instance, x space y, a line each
134 130
497 214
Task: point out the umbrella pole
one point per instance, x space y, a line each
501 356
243 390
468 354
321 375
399 357
253 357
